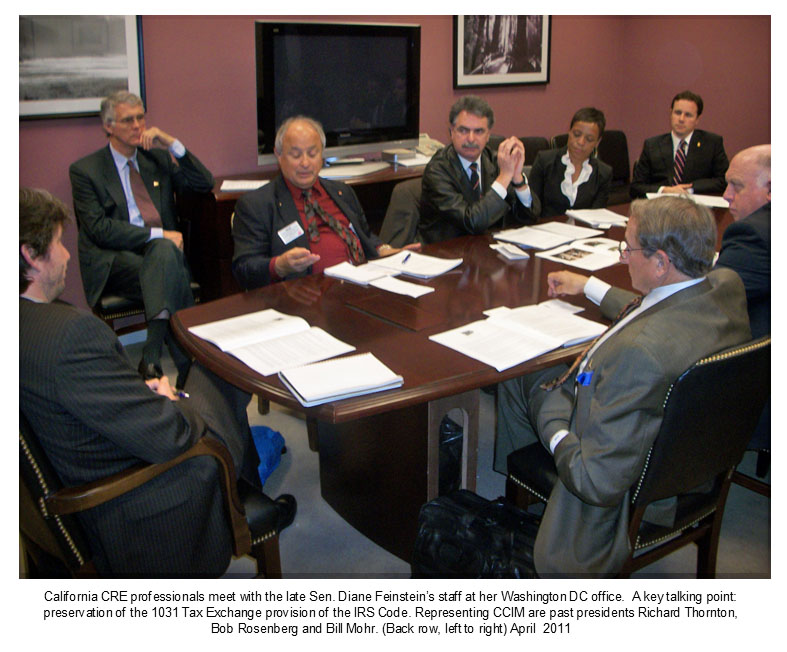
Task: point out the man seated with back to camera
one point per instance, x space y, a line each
467 188
599 417
94 417
299 224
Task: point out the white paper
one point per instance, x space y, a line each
546 236
241 185
590 254
391 284
601 218
510 251
339 378
259 326
271 356
360 274
570 329
420 159
414 264
706 200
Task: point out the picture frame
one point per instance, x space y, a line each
68 64
501 50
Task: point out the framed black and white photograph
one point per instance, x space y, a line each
67 64
501 50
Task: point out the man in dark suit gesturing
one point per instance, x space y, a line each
129 243
94 417
684 160
299 224
600 423
467 188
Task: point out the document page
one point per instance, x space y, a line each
497 342
601 218
339 378
546 236
271 356
360 274
706 200
391 284
590 254
242 185
414 264
258 326
569 329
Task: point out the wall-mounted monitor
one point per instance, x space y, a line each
361 81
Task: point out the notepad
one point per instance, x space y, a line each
339 378
546 236
418 265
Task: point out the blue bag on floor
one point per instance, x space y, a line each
269 445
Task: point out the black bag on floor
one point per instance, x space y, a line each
463 535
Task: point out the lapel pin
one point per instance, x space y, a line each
155 184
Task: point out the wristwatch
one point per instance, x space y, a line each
522 183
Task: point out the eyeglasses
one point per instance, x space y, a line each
129 119
624 249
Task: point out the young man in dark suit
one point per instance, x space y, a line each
129 242
686 160
95 416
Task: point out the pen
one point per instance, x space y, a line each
406 258
182 394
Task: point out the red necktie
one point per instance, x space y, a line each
475 181
147 209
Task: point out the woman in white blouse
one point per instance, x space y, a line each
569 177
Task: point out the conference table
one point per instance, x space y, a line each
379 453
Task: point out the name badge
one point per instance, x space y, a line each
290 232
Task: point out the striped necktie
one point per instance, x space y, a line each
557 382
475 180
680 162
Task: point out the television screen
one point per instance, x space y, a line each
362 82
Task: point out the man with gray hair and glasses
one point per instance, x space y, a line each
599 417
129 242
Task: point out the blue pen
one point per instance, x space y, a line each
406 258
182 394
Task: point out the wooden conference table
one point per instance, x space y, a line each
379 453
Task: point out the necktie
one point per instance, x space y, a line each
312 210
475 181
680 162
557 382
147 208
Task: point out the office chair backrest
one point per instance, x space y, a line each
614 151
59 536
533 145
709 416
400 225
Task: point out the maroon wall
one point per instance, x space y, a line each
200 81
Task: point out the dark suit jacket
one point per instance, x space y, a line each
547 174
447 206
706 164
94 417
613 421
260 214
102 213
746 249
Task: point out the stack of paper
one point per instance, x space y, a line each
360 274
269 341
418 265
509 338
706 200
590 254
509 251
546 236
352 171
333 380
600 218
241 185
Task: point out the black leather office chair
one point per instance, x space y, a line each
561 140
400 226
613 150
533 145
710 413
55 545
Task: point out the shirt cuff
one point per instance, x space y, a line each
156 232
525 196
498 188
595 289
272 269
556 439
177 149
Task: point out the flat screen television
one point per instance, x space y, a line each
361 81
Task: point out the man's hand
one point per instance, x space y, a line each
510 159
681 189
295 260
387 250
563 282
161 386
154 137
176 237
